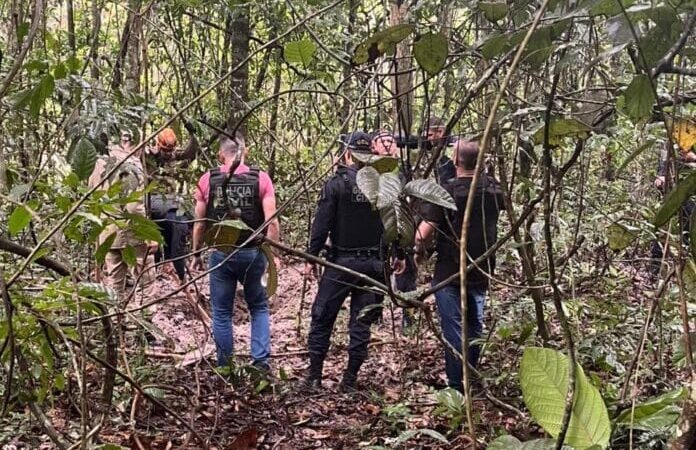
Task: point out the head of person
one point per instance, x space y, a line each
465 155
358 142
126 139
435 130
383 143
232 148
166 142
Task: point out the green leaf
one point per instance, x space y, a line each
40 253
430 191
495 45
60 71
609 8
104 247
84 157
560 129
144 228
19 219
656 413
154 392
619 236
544 377
639 98
431 51
634 154
22 31
73 64
506 442
224 234
382 190
299 52
42 91
129 256
21 99
675 199
272 282
381 164
398 224
493 11
382 42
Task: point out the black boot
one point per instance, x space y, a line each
349 383
312 382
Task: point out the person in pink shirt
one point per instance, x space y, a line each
246 194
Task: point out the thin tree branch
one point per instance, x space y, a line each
28 40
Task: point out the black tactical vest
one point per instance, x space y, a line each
358 225
235 197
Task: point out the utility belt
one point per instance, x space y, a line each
362 252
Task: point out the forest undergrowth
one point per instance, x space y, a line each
403 402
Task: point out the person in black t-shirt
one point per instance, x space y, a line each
445 226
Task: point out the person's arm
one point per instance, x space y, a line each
199 214
269 209
189 152
323 219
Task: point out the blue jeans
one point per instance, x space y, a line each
246 266
450 312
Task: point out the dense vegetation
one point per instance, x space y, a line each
574 103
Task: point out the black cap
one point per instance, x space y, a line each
359 142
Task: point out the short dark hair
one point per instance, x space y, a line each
435 122
466 154
232 146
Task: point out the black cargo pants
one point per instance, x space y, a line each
334 287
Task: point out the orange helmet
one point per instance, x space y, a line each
166 139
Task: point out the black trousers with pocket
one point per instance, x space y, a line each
365 306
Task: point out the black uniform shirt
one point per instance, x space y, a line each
483 227
345 215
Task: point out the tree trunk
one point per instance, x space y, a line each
402 84
344 111
128 52
135 38
685 439
239 30
94 44
71 27
273 123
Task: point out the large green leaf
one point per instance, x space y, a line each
495 45
675 199
41 92
656 413
104 247
224 234
380 189
493 11
381 164
299 52
544 377
619 236
430 51
83 158
560 129
144 228
430 191
639 98
410 434
382 42
398 224
18 220
272 280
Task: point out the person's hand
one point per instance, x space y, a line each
659 182
277 262
689 156
196 263
399 266
152 247
310 270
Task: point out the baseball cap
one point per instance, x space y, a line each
359 142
